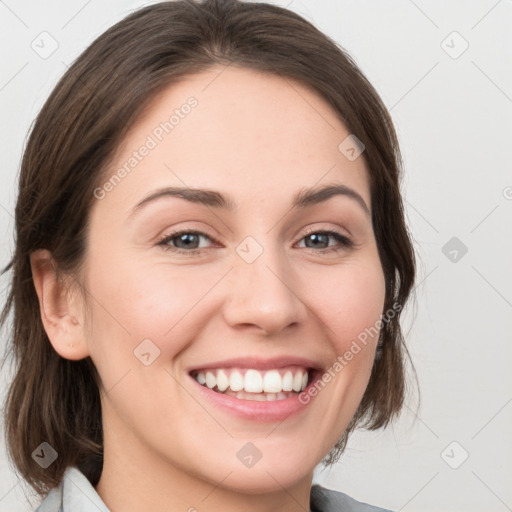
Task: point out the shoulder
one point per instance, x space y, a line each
74 494
326 500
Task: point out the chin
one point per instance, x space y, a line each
277 467
266 480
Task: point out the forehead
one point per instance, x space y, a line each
255 135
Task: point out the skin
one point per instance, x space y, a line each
260 139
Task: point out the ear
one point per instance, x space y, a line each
61 311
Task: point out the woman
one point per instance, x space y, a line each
211 260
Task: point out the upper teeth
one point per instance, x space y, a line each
254 381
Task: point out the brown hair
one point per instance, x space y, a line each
74 137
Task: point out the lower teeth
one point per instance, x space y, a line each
260 397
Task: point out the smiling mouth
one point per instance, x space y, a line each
252 384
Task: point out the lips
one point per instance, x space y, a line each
251 402
258 363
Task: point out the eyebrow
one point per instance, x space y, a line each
303 199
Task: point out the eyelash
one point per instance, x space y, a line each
345 242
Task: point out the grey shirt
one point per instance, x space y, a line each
76 494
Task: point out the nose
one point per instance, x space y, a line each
262 294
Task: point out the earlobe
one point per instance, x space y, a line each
60 313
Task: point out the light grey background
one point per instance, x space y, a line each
453 114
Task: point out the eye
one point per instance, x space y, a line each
194 242
184 241
321 240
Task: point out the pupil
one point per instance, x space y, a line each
188 240
318 237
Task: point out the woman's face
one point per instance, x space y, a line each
264 284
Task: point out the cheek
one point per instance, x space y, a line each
349 303
134 302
